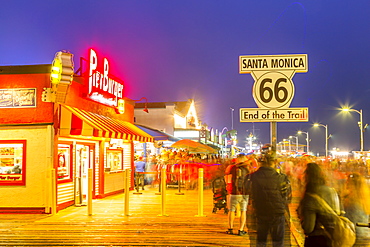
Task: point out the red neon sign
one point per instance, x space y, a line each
102 87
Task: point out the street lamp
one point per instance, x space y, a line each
289 147
232 118
145 105
250 139
326 136
360 124
296 142
280 145
307 139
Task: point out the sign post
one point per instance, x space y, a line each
273 89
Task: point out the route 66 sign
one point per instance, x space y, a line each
273 87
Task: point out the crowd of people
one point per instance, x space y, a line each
343 184
182 167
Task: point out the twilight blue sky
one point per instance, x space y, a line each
172 50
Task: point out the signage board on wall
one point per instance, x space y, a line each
18 98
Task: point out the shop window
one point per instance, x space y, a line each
64 163
114 160
13 162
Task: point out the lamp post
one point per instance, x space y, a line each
360 125
250 139
232 118
279 145
307 139
296 142
287 140
326 136
224 141
225 128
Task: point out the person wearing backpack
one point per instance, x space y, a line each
269 199
320 213
356 204
236 175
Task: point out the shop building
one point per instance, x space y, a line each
55 125
179 119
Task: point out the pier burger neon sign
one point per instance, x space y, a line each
103 88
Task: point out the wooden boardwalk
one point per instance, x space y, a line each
144 227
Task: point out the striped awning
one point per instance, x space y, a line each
75 121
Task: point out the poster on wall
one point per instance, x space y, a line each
18 98
12 162
114 160
64 163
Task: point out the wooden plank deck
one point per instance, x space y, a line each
144 227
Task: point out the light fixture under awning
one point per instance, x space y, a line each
75 121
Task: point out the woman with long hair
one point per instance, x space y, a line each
312 215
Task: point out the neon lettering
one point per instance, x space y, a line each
100 82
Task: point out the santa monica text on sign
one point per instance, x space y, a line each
297 63
273 115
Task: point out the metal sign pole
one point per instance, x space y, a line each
273 129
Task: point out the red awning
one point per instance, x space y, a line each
75 121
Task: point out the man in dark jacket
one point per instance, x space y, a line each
269 200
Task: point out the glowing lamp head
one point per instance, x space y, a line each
61 75
56 71
62 68
121 106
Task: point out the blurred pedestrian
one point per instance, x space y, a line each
251 161
150 169
313 216
237 175
269 199
357 205
139 173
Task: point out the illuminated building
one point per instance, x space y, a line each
179 119
55 126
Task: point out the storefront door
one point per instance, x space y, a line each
83 163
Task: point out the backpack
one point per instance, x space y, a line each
285 188
343 234
241 180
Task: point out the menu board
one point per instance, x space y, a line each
18 98
12 162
